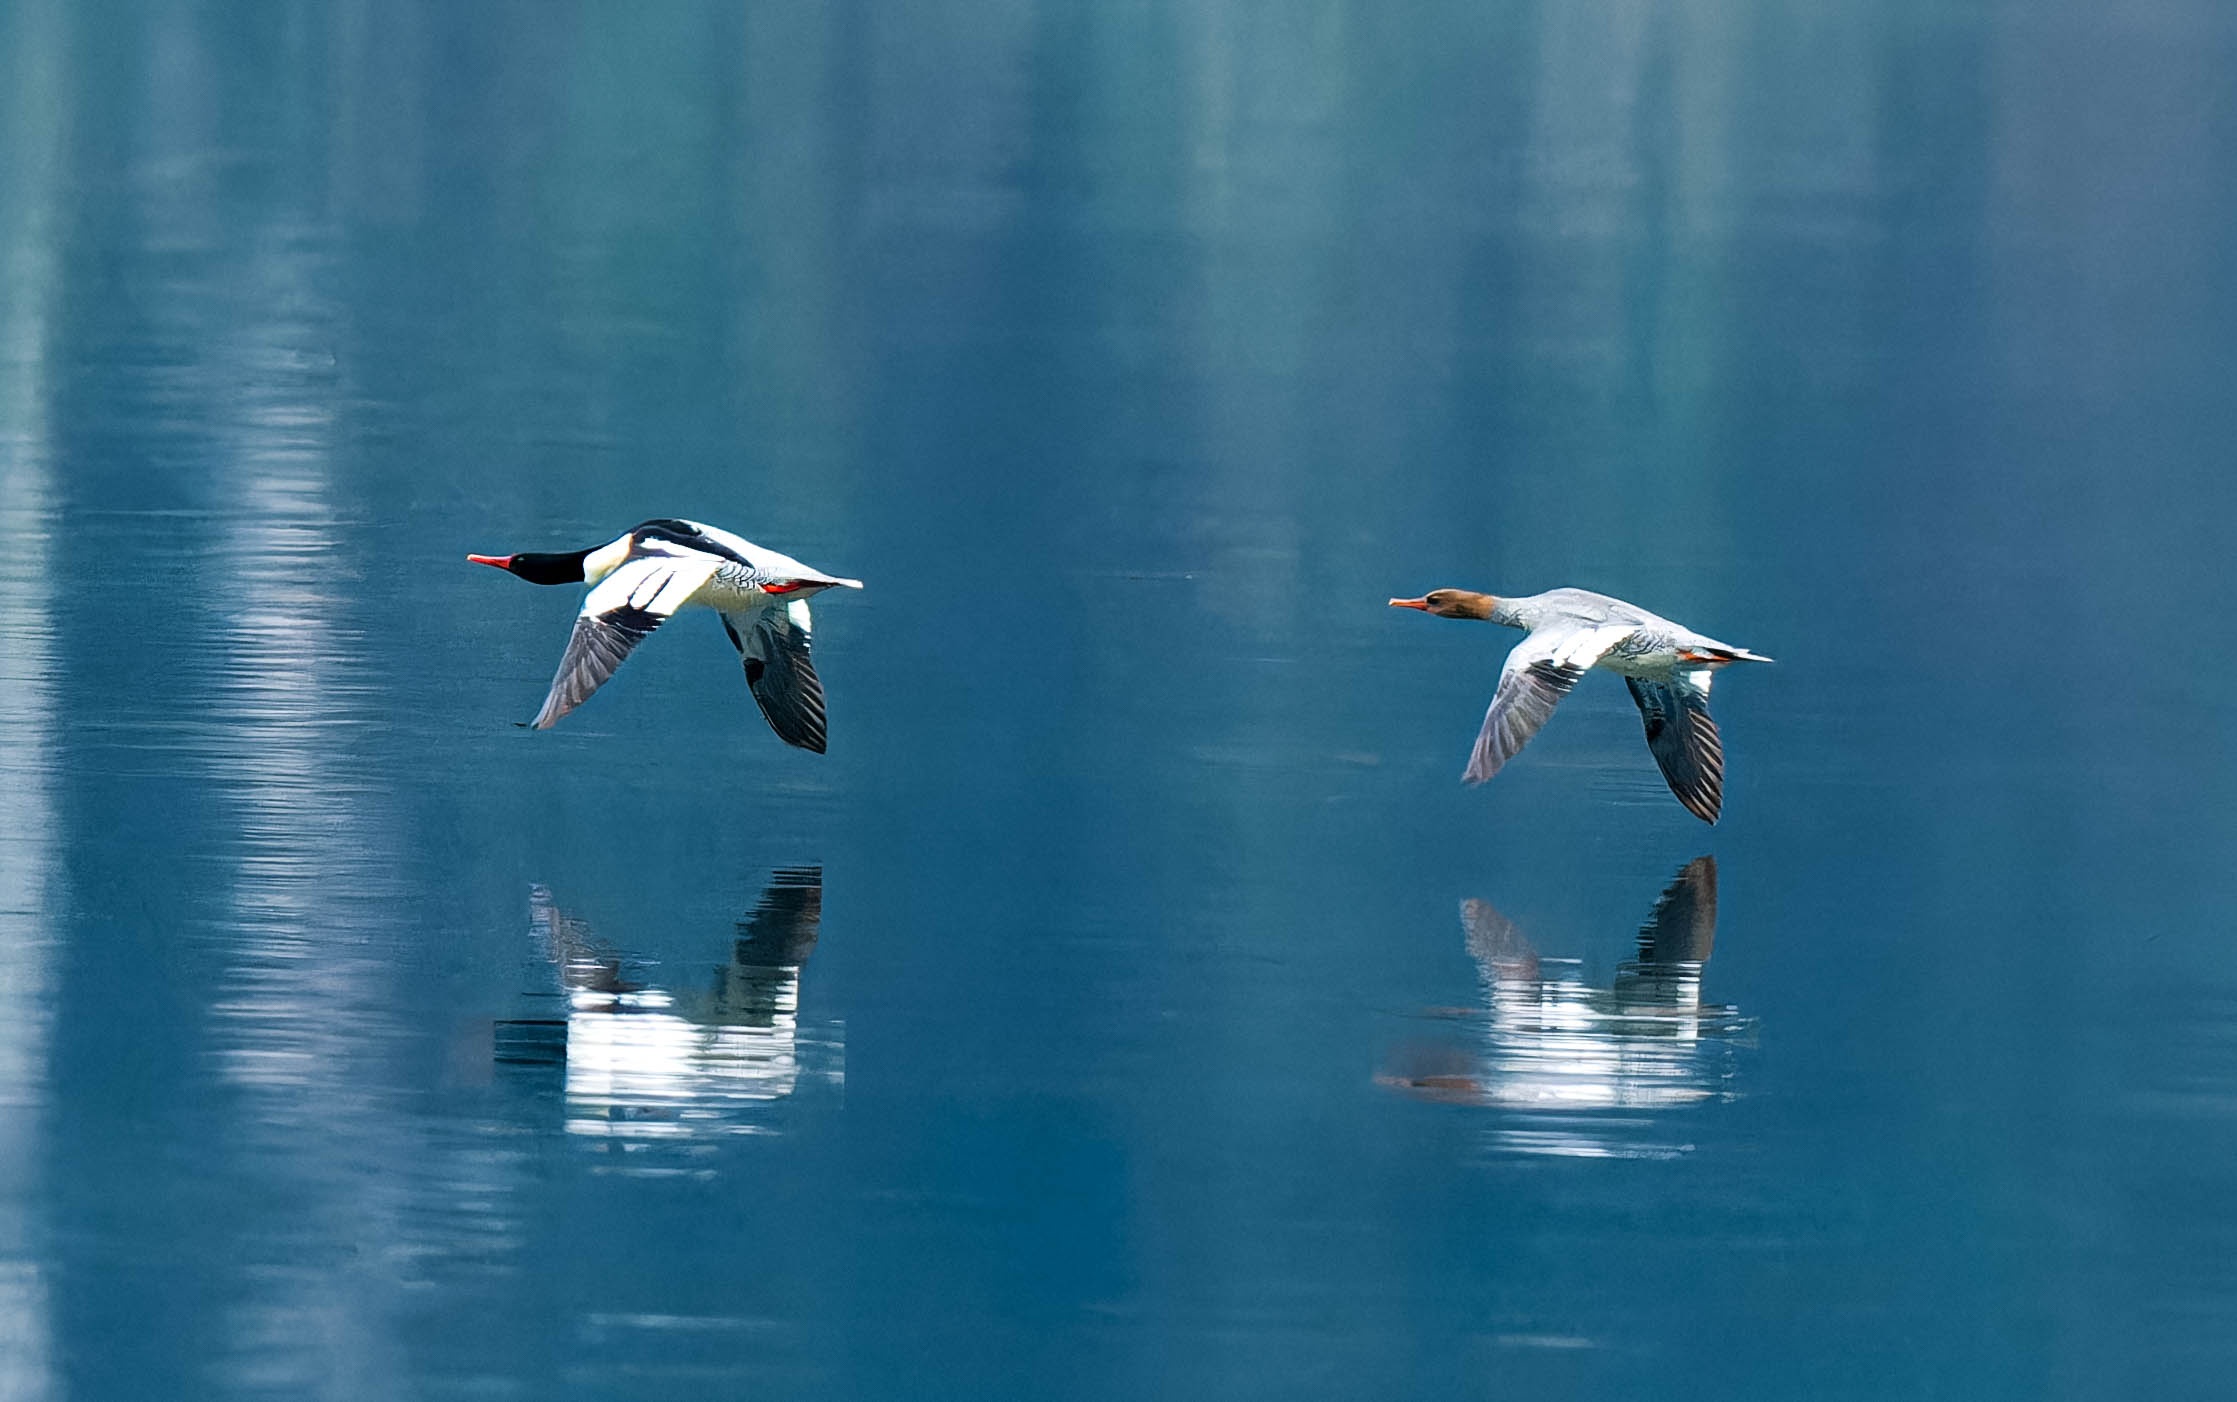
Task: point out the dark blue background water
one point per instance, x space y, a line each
1133 354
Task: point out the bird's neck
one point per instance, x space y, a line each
1489 608
596 564
546 568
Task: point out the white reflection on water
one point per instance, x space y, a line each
27 942
286 713
30 232
1588 1066
650 1063
292 696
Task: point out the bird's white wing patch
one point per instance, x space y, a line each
625 608
728 539
1579 649
1539 672
654 584
771 564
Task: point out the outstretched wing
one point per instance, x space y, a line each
774 642
1684 740
639 596
1539 672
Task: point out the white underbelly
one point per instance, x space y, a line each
1647 666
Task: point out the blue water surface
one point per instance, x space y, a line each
1102 1017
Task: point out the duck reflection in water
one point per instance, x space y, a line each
1553 1043
644 1062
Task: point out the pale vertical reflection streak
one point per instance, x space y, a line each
297 1030
289 690
1582 172
1265 198
33 130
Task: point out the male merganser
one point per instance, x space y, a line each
656 568
1667 665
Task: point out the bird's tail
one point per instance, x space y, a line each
1718 654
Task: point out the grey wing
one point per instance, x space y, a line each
597 646
784 683
1539 672
621 612
1684 742
1684 924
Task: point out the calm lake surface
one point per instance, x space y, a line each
1132 1004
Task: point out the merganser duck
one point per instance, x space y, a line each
643 577
1667 665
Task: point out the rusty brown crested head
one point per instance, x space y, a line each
1452 603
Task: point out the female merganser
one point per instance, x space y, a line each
646 575
1667 665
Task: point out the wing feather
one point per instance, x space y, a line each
774 643
1684 742
640 595
1539 672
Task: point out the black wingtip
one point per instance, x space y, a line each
800 737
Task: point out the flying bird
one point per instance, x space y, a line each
640 579
1667 665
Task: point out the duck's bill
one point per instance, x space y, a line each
1422 604
501 561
